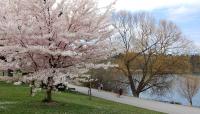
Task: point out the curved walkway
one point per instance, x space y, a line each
147 104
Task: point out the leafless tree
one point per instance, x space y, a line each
148 58
189 87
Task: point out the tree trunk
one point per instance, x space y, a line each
90 91
136 94
32 87
48 95
133 89
90 94
132 86
131 82
190 102
31 91
49 90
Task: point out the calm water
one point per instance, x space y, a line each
173 95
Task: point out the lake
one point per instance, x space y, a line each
171 96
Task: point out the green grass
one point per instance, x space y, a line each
16 100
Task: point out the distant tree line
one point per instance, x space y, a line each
195 64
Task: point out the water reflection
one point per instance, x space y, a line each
171 96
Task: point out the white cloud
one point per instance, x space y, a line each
152 4
180 10
148 5
184 13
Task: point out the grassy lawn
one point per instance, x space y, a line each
16 100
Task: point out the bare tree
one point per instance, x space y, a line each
189 87
148 58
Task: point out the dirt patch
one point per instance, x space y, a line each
52 103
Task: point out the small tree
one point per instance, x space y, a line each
89 77
189 87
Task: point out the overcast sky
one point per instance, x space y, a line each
185 13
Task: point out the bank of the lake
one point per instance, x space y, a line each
173 95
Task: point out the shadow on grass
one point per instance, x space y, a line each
55 108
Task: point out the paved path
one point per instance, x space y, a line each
147 104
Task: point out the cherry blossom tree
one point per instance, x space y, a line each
49 38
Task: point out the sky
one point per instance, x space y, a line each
185 13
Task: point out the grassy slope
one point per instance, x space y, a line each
68 103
